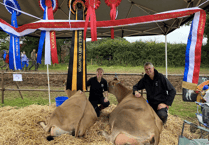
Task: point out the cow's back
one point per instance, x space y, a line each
70 114
135 117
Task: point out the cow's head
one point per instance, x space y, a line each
112 84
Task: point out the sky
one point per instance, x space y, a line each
179 35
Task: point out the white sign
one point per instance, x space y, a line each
17 77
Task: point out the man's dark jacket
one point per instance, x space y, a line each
156 89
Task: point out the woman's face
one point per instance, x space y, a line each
99 74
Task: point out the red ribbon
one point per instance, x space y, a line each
92 5
53 44
112 17
112 4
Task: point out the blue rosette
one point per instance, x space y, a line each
14 4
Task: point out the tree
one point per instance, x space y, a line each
4 42
206 32
30 43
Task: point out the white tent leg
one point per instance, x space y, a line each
48 84
166 62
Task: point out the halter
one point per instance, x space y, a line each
115 84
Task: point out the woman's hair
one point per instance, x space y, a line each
100 69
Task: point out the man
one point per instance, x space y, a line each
97 85
33 57
160 92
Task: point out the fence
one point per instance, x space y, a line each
44 73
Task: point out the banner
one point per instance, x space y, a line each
14 47
193 49
76 79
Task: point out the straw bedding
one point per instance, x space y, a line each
20 127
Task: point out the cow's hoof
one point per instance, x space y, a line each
49 138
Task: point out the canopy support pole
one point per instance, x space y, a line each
166 62
48 84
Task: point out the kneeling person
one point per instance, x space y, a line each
160 92
98 85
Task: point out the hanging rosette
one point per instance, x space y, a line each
14 48
112 4
72 7
91 5
48 6
73 3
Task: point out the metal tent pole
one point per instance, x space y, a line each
166 61
48 84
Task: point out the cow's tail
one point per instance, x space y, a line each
78 125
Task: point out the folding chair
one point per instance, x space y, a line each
200 118
185 141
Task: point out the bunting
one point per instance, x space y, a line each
63 25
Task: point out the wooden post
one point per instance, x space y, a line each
91 61
2 83
19 90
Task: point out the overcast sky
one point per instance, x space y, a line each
179 35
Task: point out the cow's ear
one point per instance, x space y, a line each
113 83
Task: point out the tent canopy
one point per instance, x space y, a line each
126 9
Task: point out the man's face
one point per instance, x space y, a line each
99 74
149 70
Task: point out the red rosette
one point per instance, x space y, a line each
90 3
111 2
48 3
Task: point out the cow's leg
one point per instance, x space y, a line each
43 126
56 131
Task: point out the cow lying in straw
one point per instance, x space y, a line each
73 117
133 121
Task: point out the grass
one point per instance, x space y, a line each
121 69
184 110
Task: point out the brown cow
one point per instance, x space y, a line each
74 116
133 121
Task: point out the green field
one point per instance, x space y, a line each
185 110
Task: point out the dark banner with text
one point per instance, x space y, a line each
76 79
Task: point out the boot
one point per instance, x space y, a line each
101 107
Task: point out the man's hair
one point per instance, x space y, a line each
100 69
148 63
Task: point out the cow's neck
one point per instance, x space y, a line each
120 95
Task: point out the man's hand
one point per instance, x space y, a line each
106 99
162 105
137 94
